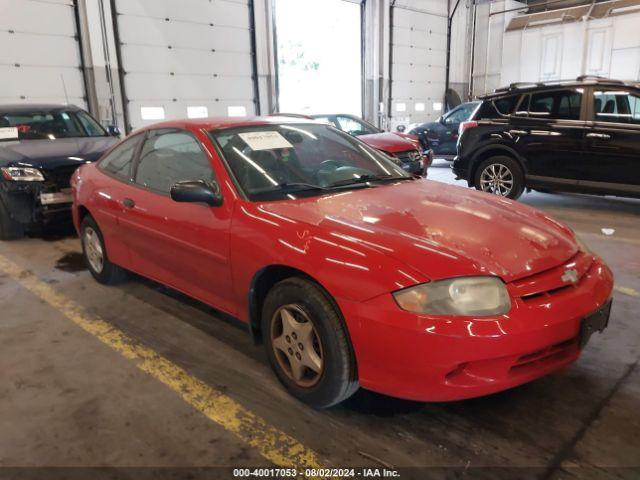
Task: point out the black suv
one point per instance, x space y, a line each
580 136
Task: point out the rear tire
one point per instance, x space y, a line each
500 175
9 228
95 254
307 343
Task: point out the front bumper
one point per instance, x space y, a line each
442 358
458 170
36 203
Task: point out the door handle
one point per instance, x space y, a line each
601 136
518 132
128 203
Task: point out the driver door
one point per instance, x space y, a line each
183 245
450 123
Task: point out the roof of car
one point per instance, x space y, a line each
29 107
218 123
293 115
584 80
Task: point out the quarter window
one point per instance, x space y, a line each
616 106
169 157
118 162
558 104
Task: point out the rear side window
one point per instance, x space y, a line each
170 156
118 162
497 108
506 105
616 106
558 104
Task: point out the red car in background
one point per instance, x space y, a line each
411 151
352 272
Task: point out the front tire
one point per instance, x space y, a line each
307 343
500 175
95 254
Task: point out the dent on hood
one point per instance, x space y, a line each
439 230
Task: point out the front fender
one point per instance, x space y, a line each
345 266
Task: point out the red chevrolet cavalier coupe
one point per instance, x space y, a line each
352 272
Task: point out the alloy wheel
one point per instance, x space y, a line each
296 345
93 249
496 178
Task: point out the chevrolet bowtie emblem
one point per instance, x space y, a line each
570 276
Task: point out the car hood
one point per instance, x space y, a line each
48 154
388 142
441 231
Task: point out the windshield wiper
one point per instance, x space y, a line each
367 178
299 186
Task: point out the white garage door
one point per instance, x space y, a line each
39 53
418 62
187 58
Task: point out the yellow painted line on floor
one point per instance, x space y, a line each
627 291
273 444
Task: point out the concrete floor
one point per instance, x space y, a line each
68 400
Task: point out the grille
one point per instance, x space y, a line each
60 177
409 156
552 282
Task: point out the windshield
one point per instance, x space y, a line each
52 124
274 161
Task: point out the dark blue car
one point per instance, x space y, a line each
40 147
442 135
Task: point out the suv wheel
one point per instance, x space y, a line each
307 343
501 176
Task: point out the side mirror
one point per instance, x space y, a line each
113 130
197 192
401 128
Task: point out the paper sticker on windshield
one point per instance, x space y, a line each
8 133
264 140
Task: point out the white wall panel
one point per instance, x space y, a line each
626 32
419 45
191 53
608 47
39 53
551 59
625 63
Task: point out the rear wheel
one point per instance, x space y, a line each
307 343
9 228
95 254
500 175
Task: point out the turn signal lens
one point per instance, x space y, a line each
478 296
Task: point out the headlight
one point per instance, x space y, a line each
480 296
22 174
